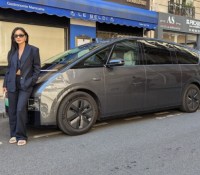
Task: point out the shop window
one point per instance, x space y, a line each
49 40
174 37
191 41
106 31
181 38
156 52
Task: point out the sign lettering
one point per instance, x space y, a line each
171 20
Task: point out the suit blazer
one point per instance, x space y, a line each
30 69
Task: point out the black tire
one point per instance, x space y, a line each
77 113
190 99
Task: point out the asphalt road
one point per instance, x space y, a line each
165 143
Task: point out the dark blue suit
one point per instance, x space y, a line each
20 87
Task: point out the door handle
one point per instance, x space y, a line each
137 83
96 79
134 77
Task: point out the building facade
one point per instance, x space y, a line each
144 4
178 21
55 26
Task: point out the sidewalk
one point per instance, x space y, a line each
2 107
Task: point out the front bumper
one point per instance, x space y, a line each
34 112
34 104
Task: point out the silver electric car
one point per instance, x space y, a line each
114 78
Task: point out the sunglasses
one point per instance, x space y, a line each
20 35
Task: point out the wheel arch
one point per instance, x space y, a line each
62 97
184 106
195 82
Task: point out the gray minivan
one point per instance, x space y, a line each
114 78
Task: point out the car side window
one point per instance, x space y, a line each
186 56
156 52
96 60
127 51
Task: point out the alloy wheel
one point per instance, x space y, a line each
78 114
193 98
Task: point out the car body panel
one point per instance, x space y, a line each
125 89
163 86
118 90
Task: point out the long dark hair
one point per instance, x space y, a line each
14 45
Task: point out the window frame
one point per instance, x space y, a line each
78 66
140 55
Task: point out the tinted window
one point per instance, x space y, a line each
128 51
156 52
96 60
186 56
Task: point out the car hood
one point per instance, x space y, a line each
46 73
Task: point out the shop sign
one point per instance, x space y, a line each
24 6
91 17
179 23
69 13
192 26
170 22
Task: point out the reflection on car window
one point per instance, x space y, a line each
186 56
127 51
96 60
156 52
83 52
70 56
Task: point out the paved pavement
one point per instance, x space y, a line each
165 143
2 108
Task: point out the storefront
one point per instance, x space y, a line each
49 33
179 29
55 26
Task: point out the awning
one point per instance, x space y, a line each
92 10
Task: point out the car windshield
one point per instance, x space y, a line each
70 56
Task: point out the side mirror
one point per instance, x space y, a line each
115 62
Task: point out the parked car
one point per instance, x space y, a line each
114 78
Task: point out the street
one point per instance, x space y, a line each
164 143
69 63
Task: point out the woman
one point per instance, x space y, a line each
22 73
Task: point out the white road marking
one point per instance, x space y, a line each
168 116
161 113
1 143
133 118
171 115
100 124
46 135
160 118
179 113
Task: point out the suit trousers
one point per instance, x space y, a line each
17 111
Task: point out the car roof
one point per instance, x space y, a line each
113 40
